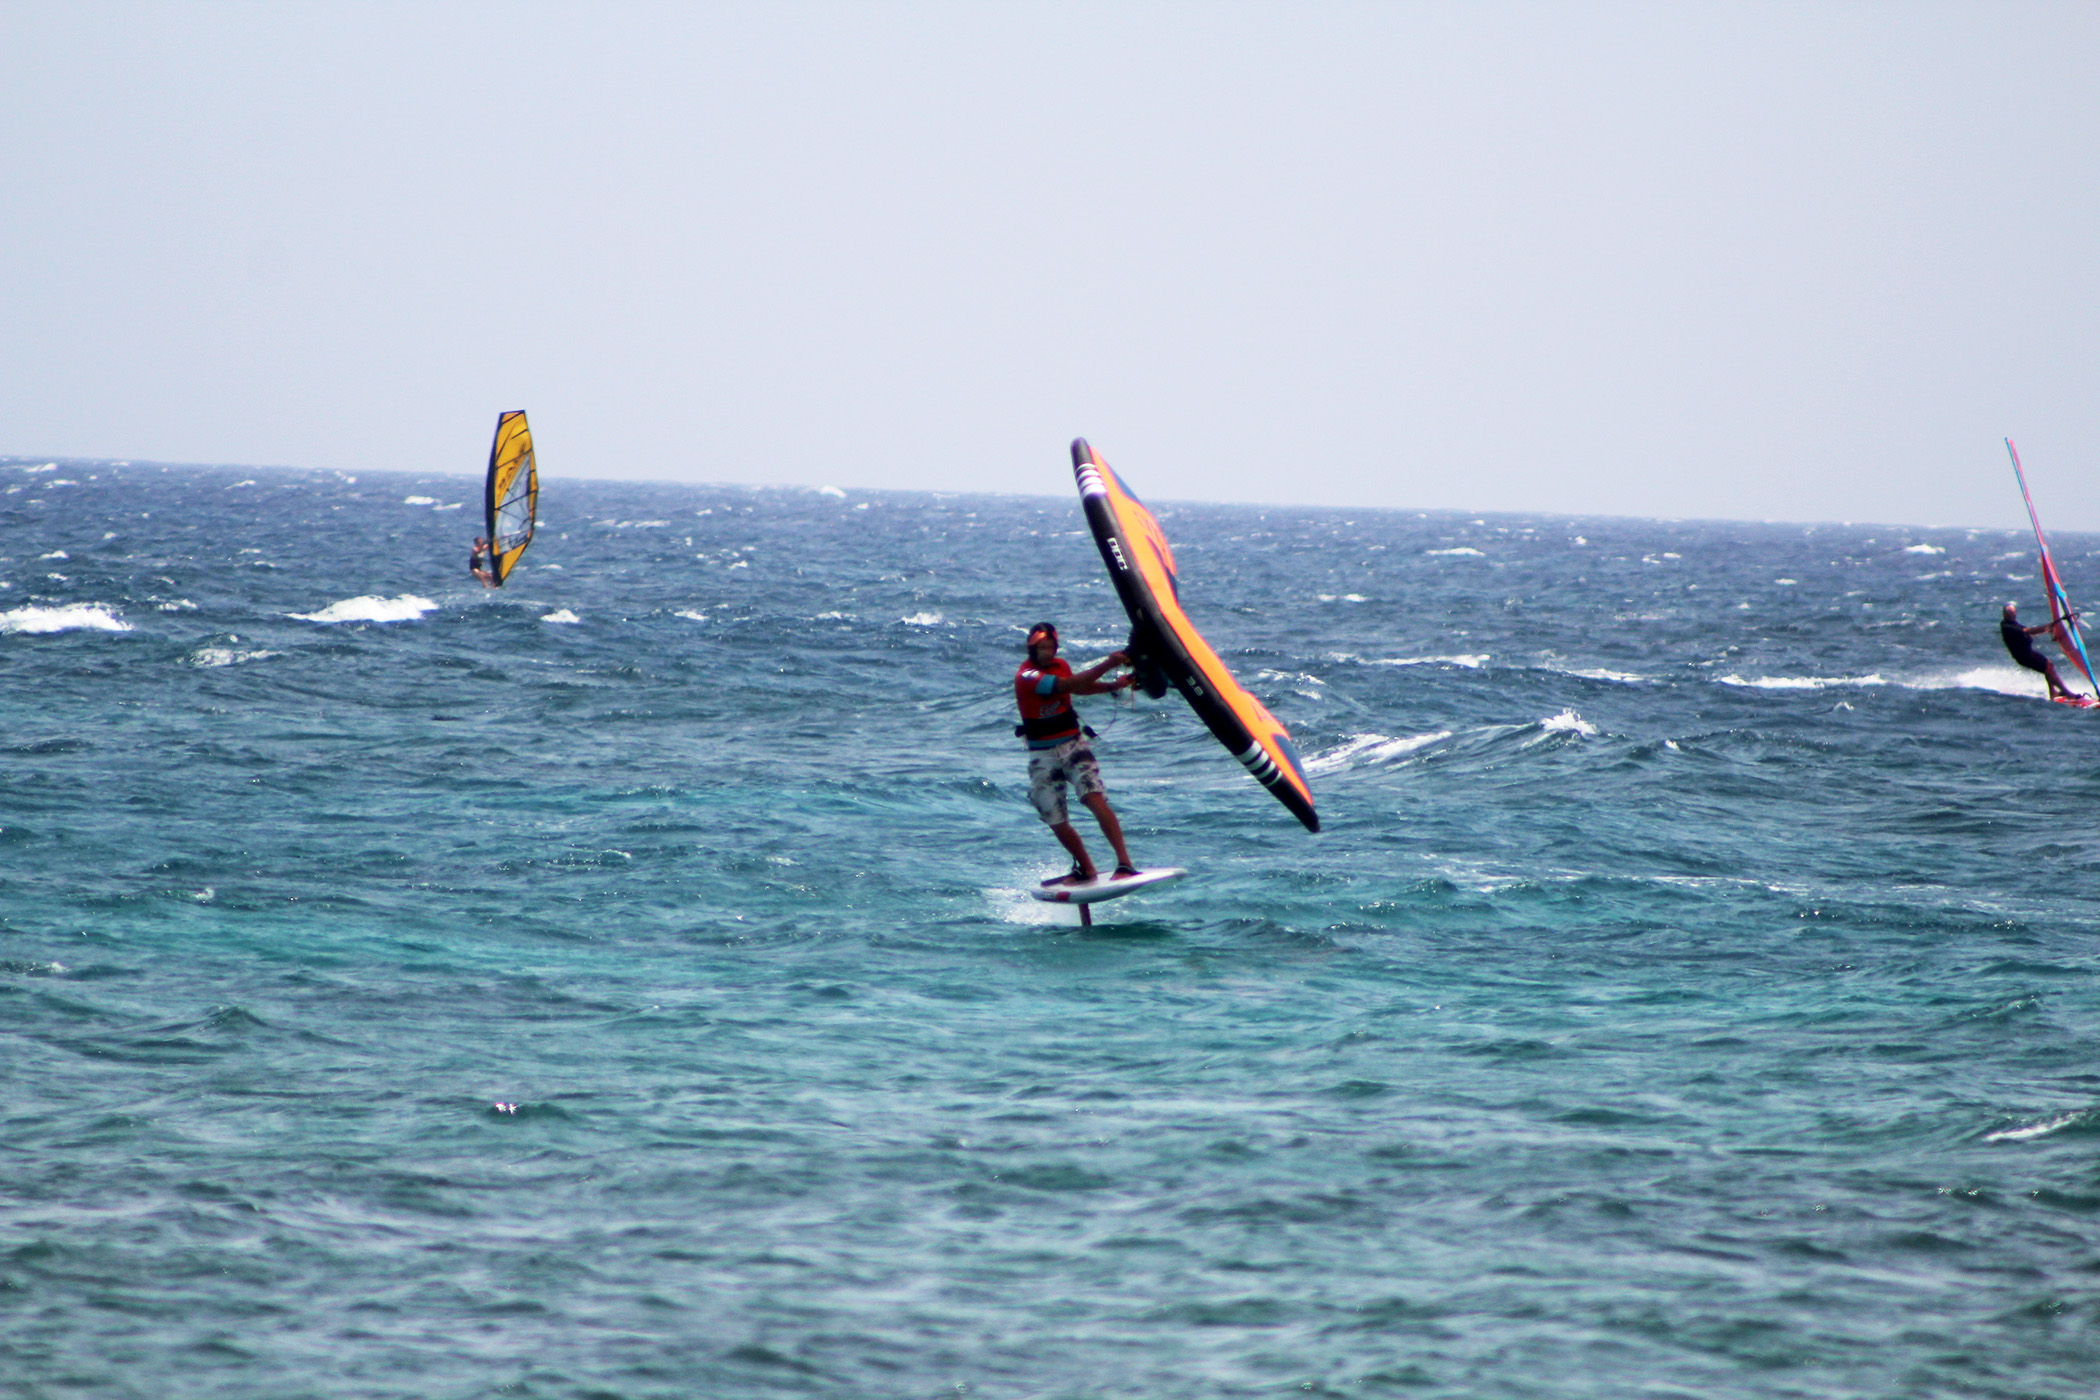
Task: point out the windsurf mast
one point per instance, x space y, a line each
2063 623
512 494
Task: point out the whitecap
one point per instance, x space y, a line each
454 506
696 615
74 617
369 608
1785 582
55 554
178 605
1370 748
1599 673
226 656
1923 549
420 501
831 491
1567 722
2035 1130
1801 682
561 615
1471 662
1462 549
924 619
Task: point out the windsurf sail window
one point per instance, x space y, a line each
2063 622
513 493
1166 646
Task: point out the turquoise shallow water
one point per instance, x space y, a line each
618 985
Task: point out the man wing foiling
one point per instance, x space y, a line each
1058 753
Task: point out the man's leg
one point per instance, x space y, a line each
2056 682
1069 839
1097 803
1046 789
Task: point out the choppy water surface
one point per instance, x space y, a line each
618 986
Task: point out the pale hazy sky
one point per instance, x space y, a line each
1758 260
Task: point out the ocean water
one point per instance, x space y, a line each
620 985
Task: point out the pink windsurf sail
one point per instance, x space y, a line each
2063 622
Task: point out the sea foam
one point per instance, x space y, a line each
70 617
1371 748
371 608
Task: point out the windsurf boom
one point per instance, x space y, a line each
512 495
1165 646
2063 622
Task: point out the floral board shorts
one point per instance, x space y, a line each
1050 770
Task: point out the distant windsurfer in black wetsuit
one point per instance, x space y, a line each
2016 641
480 563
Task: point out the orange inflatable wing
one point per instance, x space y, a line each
1167 647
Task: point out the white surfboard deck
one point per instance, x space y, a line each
1106 886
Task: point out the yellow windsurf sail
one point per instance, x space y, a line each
1165 645
513 494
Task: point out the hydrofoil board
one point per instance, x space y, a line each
1106 886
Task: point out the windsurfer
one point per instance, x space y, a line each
480 563
1058 753
2016 642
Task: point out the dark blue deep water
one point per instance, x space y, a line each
617 985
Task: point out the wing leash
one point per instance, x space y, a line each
1166 647
513 493
2063 623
